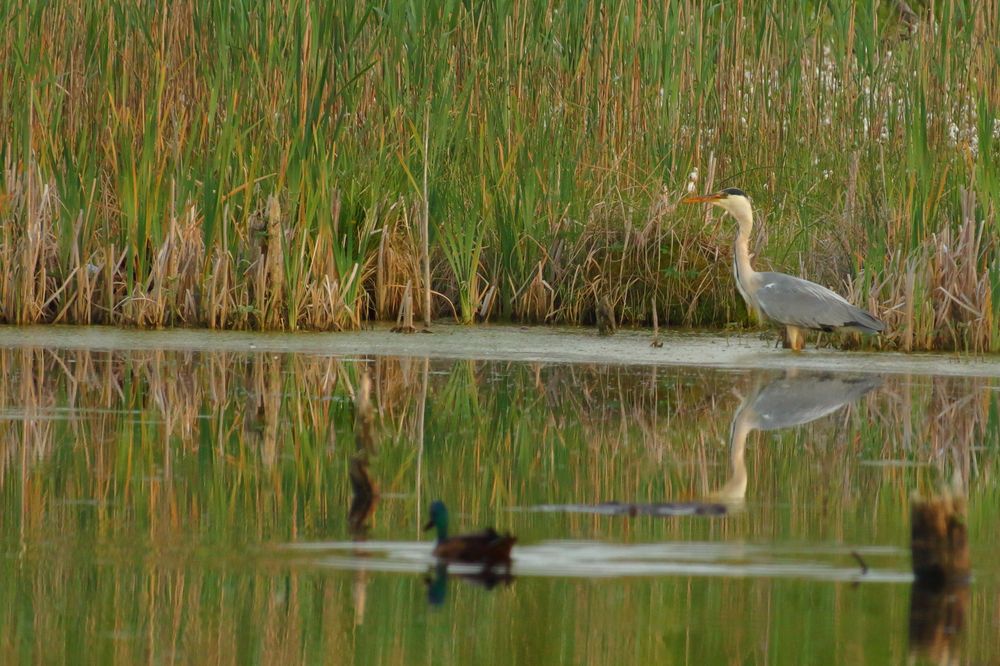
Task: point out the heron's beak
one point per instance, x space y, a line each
705 198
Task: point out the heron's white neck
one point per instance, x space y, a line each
741 249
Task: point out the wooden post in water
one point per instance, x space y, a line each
939 541
939 545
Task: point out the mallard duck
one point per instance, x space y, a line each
485 547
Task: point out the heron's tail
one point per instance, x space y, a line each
865 322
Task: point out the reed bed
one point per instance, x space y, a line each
300 164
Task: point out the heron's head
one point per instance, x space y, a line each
734 200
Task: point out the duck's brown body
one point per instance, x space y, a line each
485 546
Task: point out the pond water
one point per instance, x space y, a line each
189 503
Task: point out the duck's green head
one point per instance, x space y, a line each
438 519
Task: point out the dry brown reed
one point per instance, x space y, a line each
940 295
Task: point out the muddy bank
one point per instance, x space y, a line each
545 344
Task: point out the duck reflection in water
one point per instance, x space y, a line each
488 576
792 400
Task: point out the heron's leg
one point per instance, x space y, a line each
796 340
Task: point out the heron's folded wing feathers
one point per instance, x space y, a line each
793 301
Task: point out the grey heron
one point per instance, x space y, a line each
787 300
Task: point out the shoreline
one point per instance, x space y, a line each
492 342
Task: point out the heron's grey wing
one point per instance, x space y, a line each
793 301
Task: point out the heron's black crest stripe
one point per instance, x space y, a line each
735 191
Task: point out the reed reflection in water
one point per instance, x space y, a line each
143 494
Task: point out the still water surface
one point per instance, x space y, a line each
191 507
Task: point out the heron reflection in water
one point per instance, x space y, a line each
792 400
796 398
